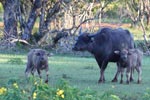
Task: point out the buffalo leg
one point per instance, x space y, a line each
103 67
115 79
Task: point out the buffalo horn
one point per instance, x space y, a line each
80 31
91 35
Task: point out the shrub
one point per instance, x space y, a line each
38 90
147 95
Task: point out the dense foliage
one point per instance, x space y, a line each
38 90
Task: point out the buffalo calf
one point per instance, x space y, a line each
37 59
130 59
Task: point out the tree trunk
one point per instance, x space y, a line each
42 27
10 22
31 20
144 31
51 15
148 20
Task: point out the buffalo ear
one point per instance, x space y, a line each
117 52
92 39
80 31
91 36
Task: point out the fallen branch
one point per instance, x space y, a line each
20 40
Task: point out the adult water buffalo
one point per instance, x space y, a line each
103 44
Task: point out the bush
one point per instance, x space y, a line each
38 90
147 95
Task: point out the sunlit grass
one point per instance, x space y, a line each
80 72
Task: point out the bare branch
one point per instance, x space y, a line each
20 40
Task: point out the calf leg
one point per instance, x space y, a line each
28 69
128 75
39 73
139 70
33 70
47 74
122 71
131 75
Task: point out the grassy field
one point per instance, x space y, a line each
80 72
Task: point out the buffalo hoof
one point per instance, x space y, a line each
101 81
114 80
131 79
138 82
121 81
46 81
127 82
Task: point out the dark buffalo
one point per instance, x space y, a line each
103 44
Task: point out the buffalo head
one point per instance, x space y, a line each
83 41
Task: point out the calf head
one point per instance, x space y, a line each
42 56
123 54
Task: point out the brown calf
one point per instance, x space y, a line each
130 59
37 59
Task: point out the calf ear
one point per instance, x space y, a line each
129 53
117 52
50 54
37 54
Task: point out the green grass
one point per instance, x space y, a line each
80 72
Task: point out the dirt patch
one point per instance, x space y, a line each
1 24
90 25
111 25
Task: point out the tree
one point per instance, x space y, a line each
19 12
146 11
20 17
10 20
138 11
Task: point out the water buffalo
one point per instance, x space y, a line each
130 59
103 44
37 59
